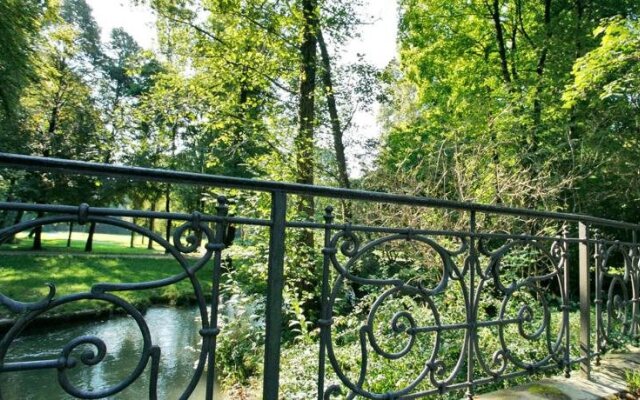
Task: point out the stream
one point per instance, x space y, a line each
173 329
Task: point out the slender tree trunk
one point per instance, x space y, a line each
304 152
70 233
132 239
537 102
336 127
167 208
16 221
88 247
152 226
306 113
4 216
167 194
502 50
514 51
573 133
37 234
53 118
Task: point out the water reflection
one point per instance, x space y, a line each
174 330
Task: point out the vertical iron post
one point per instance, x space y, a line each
565 300
325 321
597 262
585 299
275 286
211 334
472 318
635 281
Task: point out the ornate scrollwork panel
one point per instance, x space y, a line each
403 320
616 290
90 351
513 300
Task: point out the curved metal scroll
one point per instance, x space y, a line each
187 239
438 373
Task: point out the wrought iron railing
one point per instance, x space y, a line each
472 295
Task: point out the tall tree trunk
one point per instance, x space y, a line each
502 50
88 247
53 117
573 133
70 233
513 50
132 238
37 234
537 102
152 226
305 276
336 126
306 112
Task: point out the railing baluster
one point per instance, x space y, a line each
585 299
597 261
635 281
565 301
212 333
324 321
472 318
275 285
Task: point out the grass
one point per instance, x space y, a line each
23 277
102 244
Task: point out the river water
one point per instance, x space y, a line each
175 330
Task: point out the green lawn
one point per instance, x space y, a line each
23 277
102 243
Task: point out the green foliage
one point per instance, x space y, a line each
605 86
19 27
240 350
477 109
633 381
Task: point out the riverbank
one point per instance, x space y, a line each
23 277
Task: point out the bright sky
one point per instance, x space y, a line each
138 21
377 42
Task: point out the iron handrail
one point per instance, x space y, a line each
181 177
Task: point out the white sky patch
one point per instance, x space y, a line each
378 44
138 21
377 41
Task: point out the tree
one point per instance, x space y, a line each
489 73
59 117
605 90
19 28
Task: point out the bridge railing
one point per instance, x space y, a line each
452 309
